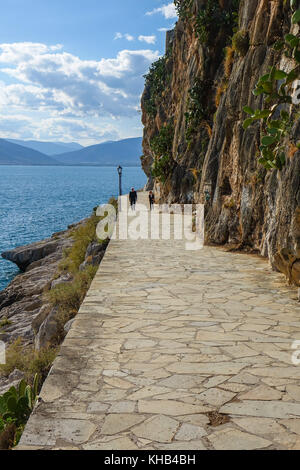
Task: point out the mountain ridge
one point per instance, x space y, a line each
124 152
47 148
14 154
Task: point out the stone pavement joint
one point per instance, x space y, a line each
166 336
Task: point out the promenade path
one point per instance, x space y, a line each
175 349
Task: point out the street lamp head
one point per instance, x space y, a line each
119 170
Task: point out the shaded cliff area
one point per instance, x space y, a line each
196 146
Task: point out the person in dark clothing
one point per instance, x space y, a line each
132 198
151 200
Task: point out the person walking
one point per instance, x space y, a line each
132 198
151 200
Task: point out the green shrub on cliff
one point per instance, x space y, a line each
162 143
156 81
161 168
184 8
161 146
240 42
280 110
214 17
197 114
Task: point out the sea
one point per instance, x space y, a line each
36 201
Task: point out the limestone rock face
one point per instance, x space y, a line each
26 255
12 380
47 330
249 207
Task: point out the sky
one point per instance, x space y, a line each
72 70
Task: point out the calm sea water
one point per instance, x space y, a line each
38 201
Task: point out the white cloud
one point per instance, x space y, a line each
15 52
126 36
23 127
49 83
164 30
148 39
168 11
62 81
53 128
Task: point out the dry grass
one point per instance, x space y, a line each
228 62
28 360
219 92
68 297
83 236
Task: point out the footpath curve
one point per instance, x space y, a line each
175 349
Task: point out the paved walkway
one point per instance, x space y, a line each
175 349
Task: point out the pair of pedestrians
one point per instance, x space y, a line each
133 199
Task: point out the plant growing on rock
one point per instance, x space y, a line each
161 168
28 360
279 112
197 112
228 62
213 17
15 408
161 146
240 42
162 143
183 8
155 83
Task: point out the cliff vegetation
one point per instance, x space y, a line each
221 123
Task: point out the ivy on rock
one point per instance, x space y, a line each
281 109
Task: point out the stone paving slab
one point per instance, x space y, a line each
164 339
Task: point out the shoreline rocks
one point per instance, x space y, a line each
22 303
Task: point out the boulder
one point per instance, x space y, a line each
61 280
12 380
16 375
40 317
287 262
25 255
94 254
47 330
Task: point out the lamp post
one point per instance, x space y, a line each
120 179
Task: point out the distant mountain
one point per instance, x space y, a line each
13 154
48 148
124 152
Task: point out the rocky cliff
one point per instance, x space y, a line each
25 311
196 148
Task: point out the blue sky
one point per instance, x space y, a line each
72 70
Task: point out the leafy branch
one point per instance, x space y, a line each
276 86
